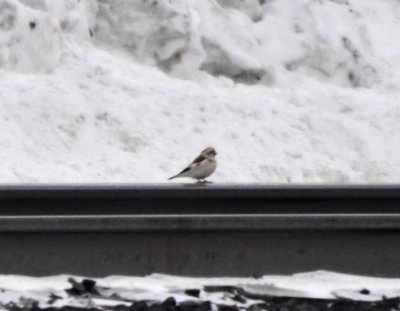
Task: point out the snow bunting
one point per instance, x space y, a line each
201 167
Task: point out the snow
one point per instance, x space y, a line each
318 284
25 35
131 91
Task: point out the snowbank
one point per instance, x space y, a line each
30 40
335 41
132 91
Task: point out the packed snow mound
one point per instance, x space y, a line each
73 17
30 40
132 91
247 41
256 41
181 37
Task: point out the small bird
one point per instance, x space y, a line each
201 167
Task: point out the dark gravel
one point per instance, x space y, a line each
87 288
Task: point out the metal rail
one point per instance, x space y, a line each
197 199
212 230
148 223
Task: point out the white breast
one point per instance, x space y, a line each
205 169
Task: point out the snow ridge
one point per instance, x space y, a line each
131 91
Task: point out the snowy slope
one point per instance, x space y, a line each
132 91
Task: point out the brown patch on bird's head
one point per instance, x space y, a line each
209 152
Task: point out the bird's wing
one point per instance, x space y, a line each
199 159
183 171
195 163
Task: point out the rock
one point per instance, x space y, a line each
193 292
228 308
194 306
87 286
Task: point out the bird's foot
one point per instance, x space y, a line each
204 181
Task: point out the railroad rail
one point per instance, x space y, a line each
199 230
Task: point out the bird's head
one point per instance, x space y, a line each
209 152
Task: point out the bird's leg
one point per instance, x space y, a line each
204 181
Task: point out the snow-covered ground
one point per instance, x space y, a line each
319 284
131 91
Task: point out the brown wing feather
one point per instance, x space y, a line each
194 163
198 159
185 170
